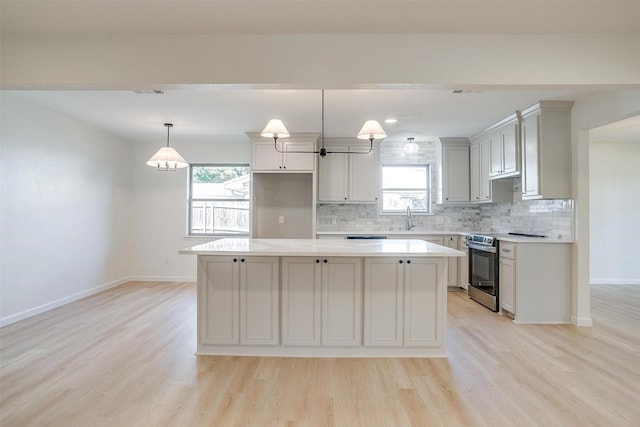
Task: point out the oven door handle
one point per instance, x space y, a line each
482 248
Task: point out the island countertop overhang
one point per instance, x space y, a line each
323 247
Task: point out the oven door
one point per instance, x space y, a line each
483 275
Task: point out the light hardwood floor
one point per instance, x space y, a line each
126 358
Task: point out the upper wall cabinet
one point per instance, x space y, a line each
265 158
546 150
483 188
452 170
344 178
504 145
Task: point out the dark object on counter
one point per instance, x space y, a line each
529 235
370 237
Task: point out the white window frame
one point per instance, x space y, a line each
191 200
427 188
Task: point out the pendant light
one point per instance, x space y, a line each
276 129
167 158
411 147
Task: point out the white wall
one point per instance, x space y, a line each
590 112
159 207
614 185
64 215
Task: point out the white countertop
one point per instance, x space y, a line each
323 247
416 232
523 239
419 232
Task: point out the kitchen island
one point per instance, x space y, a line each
333 298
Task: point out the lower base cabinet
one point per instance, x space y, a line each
241 300
402 299
321 302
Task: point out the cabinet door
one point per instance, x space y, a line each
510 160
507 276
383 301
530 164
474 171
363 183
218 302
264 157
299 161
495 147
259 300
301 297
342 301
452 262
424 297
333 178
456 174
485 168
463 265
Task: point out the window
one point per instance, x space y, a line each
406 185
219 199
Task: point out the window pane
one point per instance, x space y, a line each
219 217
219 199
411 177
220 182
398 200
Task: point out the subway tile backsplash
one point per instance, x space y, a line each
553 218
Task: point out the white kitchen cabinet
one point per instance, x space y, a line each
546 150
259 300
507 275
452 269
474 172
463 264
535 281
320 301
264 156
342 301
483 188
219 300
241 300
453 170
504 148
344 178
301 301
383 302
400 297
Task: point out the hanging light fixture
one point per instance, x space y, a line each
276 129
411 147
166 158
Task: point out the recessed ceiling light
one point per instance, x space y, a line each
390 120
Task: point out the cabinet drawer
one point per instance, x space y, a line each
508 250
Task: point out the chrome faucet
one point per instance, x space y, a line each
409 223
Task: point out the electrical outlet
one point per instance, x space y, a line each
281 219
334 220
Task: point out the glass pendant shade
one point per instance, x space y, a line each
275 129
411 147
371 130
167 158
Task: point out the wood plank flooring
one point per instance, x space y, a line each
125 357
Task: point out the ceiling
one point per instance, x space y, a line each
226 114
149 17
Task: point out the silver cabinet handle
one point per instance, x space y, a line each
506 250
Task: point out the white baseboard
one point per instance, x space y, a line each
8 320
581 321
162 279
614 282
